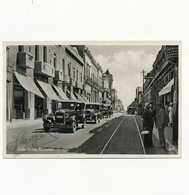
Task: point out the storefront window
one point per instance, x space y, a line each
38 107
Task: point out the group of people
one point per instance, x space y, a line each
161 117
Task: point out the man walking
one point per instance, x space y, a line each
152 120
146 125
161 123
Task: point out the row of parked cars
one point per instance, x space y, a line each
72 115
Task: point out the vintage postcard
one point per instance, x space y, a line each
92 99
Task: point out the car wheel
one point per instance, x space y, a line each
47 129
73 128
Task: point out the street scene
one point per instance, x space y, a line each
82 100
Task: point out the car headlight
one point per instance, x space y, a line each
67 115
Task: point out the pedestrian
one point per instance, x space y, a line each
146 125
161 123
170 110
167 114
152 121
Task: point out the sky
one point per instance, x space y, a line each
125 63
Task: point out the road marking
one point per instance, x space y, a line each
100 129
140 135
111 136
106 125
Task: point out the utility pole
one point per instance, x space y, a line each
143 72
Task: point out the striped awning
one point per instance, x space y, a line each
28 84
48 90
60 92
167 88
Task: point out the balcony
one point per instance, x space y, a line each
89 81
44 69
66 79
78 85
73 82
58 75
25 60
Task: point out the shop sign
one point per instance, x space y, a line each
171 53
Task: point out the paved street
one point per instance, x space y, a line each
116 135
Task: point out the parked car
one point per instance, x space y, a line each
70 114
93 112
107 110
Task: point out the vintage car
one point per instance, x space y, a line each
93 112
70 114
107 110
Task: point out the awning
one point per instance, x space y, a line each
28 84
48 90
80 98
61 93
167 88
85 99
71 95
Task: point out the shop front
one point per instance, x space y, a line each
24 92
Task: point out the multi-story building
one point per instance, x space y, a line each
39 75
114 99
92 75
75 67
161 84
139 99
107 82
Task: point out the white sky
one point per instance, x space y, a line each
125 63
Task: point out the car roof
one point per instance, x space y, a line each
71 101
93 103
107 104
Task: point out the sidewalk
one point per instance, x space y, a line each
22 122
172 149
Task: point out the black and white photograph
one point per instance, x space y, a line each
92 99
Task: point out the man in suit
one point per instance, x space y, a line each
146 124
161 123
152 120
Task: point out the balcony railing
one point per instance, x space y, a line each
66 79
25 60
58 75
44 69
79 85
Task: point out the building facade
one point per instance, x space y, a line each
40 75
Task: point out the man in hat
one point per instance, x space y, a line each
152 120
161 123
146 125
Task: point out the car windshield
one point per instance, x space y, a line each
94 107
66 105
80 106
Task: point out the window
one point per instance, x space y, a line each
36 53
20 48
7 53
29 48
77 75
69 69
63 66
54 60
81 77
44 54
74 73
